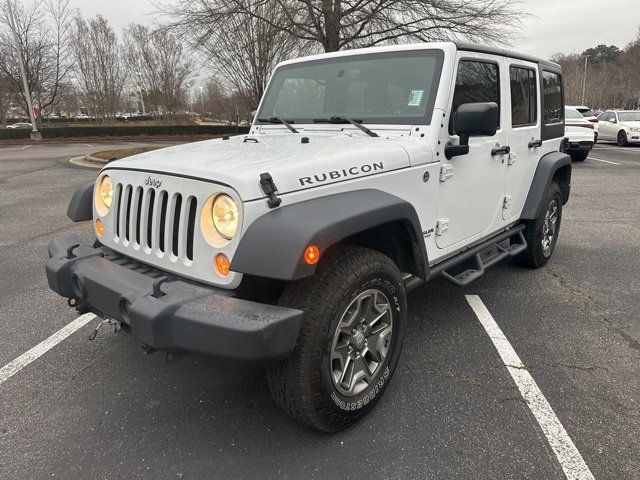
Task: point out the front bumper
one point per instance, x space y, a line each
633 137
166 312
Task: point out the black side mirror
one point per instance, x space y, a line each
473 120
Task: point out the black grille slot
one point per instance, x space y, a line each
138 213
191 227
129 196
163 219
152 198
176 225
118 211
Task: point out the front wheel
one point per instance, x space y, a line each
542 233
622 139
350 341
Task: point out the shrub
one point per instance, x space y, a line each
14 134
121 131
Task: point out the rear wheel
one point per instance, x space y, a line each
349 343
542 233
622 138
579 155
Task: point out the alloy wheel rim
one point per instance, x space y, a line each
361 342
549 227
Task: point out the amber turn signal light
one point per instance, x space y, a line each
99 228
312 255
222 264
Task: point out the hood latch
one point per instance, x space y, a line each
269 188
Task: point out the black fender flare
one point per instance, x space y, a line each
273 246
547 168
81 205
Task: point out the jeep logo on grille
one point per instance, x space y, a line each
153 182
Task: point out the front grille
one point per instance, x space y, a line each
155 222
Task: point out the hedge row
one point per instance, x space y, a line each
122 131
78 120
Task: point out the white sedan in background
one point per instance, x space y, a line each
622 127
579 133
591 116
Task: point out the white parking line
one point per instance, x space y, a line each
43 347
18 148
622 149
571 461
604 161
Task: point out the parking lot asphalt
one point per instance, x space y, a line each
103 409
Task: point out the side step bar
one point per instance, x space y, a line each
484 255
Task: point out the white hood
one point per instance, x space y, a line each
293 165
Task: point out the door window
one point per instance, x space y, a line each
552 83
524 96
476 82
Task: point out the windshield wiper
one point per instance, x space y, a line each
355 123
278 120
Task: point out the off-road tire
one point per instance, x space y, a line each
579 156
302 384
535 256
622 140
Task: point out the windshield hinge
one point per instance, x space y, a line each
269 188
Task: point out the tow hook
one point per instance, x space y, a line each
117 326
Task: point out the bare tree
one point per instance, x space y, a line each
611 82
340 24
159 67
99 70
224 104
241 48
43 30
6 95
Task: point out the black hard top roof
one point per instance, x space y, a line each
472 47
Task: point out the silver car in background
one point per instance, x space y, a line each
622 127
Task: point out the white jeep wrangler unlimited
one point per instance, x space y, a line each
365 173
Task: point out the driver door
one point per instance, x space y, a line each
471 198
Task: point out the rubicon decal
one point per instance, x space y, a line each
343 173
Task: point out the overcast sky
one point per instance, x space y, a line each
568 26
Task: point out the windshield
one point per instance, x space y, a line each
629 116
385 88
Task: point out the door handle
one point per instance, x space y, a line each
506 150
535 144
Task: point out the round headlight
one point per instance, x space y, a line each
225 216
104 195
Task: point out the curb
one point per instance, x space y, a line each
99 161
88 161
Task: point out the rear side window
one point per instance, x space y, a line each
553 108
524 96
476 82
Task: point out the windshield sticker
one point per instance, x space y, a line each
415 97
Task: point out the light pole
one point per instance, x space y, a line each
190 90
584 78
35 135
202 99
